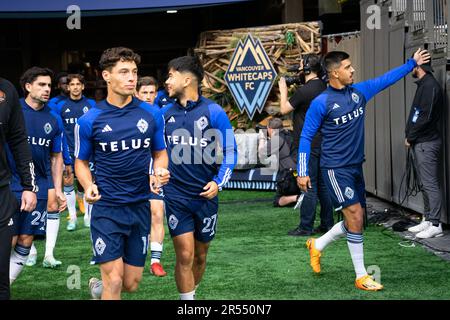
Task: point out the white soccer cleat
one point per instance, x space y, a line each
71 225
420 227
31 261
51 262
96 288
431 232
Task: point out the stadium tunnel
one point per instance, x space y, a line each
36 33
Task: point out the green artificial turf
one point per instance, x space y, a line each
252 257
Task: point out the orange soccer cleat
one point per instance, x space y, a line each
157 270
314 255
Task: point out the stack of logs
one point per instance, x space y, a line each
283 44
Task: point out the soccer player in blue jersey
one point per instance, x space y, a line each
61 82
195 128
146 89
122 133
44 129
339 113
70 110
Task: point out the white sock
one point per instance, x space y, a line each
71 202
51 233
156 249
87 211
356 247
19 256
33 251
187 295
332 235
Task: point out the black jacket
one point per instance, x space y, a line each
13 133
426 111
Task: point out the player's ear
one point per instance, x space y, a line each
28 87
187 80
106 75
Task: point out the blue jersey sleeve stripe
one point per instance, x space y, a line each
77 140
313 120
220 121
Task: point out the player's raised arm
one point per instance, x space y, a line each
372 87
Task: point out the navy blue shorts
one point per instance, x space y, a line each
120 232
187 215
159 196
345 186
32 223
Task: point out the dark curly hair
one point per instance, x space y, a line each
30 75
111 56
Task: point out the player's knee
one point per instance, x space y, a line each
157 217
185 257
114 283
52 206
200 258
131 286
25 240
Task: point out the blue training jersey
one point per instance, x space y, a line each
70 111
193 135
44 129
162 99
55 100
339 114
121 141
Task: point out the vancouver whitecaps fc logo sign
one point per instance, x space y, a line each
142 125
48 128
355 97
250 76
85 109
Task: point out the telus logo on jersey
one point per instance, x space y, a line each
188 141
35 141
71 120
349 116
123 145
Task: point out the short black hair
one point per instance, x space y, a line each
30 75
146 81
190 64
333 59
275 123
313 61
60 75
111 56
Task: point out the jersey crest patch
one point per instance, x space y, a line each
85 109
202 123
142 125
355 97
48 128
